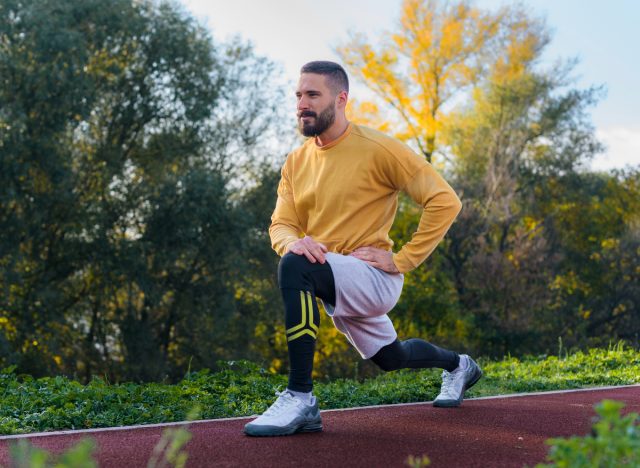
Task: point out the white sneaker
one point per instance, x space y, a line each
286 416
455 383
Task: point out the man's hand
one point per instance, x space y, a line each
379 258
314 251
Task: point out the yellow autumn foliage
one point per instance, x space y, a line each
439 51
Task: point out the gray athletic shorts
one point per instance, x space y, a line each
364 295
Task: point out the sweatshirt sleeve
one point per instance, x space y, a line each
441 206
285 225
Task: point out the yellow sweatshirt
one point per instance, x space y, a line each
345 195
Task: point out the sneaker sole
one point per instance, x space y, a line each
274 431
477 375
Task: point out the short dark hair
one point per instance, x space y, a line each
336 76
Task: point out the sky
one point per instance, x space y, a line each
603 36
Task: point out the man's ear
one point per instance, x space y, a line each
341 99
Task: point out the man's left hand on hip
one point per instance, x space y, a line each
378 258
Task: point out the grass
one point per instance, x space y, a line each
242 388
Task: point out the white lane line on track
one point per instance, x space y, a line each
203 421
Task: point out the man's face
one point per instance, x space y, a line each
316 105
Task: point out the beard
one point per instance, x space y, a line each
322 121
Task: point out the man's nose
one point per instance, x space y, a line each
303 103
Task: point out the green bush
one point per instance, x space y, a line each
242 388
25 455
615 442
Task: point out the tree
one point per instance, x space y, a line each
121 232
439 50
520 127
592 225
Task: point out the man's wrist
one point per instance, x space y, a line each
289 242
403 265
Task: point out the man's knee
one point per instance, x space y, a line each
391 357
292 271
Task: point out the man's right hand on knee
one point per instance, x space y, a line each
314 251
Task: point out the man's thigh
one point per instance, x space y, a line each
367 334
297 272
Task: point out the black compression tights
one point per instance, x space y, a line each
300 283
415 354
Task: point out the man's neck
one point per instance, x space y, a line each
332 133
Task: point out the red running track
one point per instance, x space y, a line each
483 432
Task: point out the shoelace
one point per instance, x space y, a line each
284 400
447 382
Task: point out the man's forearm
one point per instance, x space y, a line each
437 217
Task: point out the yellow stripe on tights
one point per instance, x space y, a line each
304 315
298 335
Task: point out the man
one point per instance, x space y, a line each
337 199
